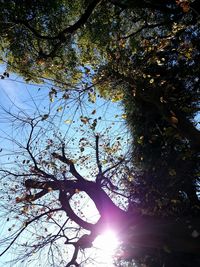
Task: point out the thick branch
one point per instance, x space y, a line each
109 212
74 257
83 19
36 196
66 206
61 36
144 231
69 30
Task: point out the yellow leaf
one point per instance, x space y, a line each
172 172
68 121
174 201
151 81
92 97
117 97
124 116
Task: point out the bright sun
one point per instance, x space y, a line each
106 243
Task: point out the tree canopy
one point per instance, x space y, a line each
146 55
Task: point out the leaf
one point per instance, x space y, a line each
124 116
59 109
87 70
68 121
174 201
140 140
117 97
94 124
65 96
92 97
84 119
172 172
82 149
173 120
151 81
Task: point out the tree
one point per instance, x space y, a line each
48 180
31 155
147 55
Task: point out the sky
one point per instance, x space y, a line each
17 96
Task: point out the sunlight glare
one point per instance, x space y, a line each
107 242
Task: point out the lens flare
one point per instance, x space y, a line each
106 243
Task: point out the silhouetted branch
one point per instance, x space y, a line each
68 30
24 227
74 257
64 200
97 154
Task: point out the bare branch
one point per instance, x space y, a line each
148 26
97 154
31 154
114 166
70 163
36 196
25 226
